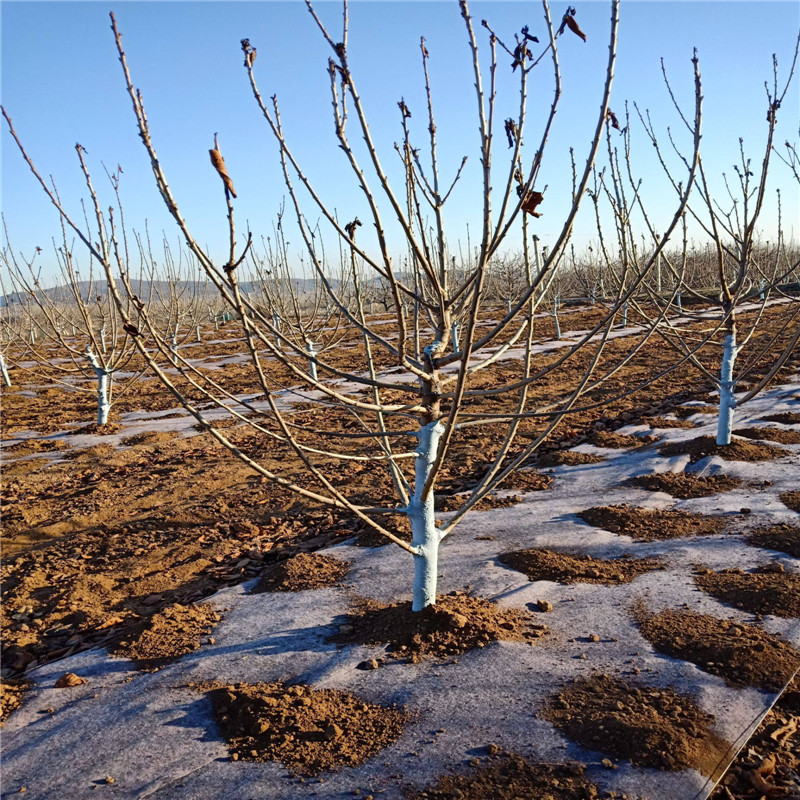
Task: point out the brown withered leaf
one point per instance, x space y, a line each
219 165
532 199
613 119
569 20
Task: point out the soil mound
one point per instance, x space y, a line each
688 411
683 485
303 571
785 418
741 654
30 446
551 565
527 481
782 537
737 450
651 524
664 422
11 696
767 590
456 623
508 776
647 726
172 633
307 730
567 458
791 500
770 435
97 430
150 437
619 440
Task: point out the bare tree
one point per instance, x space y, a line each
411 384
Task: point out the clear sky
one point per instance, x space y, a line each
61 83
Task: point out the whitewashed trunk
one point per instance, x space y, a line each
454 331
680 303
727 400
103 386
197 336
103 339
312 365
4 370
276 323
625 315
425 535
556 304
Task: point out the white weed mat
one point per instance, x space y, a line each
157 739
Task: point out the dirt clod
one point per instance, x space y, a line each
784 417
683 485
69 679
762 591
12 693
551 565
307 730
508 776
791 500
172 633
301 572
651 524
741 654
456 623
737 450
647 726
782 537
779 435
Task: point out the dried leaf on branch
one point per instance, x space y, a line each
612 117
569 22
532 199
219 165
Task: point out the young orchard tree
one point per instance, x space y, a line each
747 275
405 383
79 328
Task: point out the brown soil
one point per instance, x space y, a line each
568 458
150 437
307 730
742 654
782 537
173 633
508 776
369 537
619 440
12 692
301 572
771 759
651 524
97 430
29 446
785 418
456 623
526 481
663 422
791 500
647 726
551 565
683 485
688 411
770 434
737 450
766 590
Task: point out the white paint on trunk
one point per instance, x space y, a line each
425 535
4 370
311 349
197 336
727 401
454 331
556 305
625 314
103 386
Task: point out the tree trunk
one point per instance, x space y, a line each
4 370
727 401
425 534
103 387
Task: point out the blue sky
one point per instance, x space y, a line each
61 83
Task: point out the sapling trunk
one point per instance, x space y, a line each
454 331
556 304
4 370
197 336
420 513
312 365
727 400
103 387
625 314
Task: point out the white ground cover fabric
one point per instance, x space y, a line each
157 739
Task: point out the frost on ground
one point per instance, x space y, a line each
154 735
